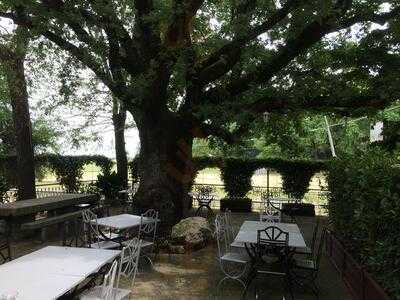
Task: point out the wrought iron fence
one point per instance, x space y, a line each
314 196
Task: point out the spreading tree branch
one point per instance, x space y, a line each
346 106
204 130
294 47
221 61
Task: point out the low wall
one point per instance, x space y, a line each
360 283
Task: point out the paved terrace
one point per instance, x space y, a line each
196 276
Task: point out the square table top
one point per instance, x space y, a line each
31 206
51 271
63 260
123 221
248 233
40 286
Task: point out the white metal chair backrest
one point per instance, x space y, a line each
129 260
90 225
108 283
221 235
148 224
228 224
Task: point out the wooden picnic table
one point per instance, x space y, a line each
20 213
33 206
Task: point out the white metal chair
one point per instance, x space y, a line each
228 223
147 233
129 260
106 291
231 232
93 238
233 264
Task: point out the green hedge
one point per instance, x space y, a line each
236 173
68 169
364 210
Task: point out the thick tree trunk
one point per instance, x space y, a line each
119 118
22 125
165 167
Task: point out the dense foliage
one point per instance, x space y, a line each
236 173
68 169
194 68
109 184
44 132
364 209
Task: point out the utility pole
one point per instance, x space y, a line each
328 129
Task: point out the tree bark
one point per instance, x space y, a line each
165 166
119 118
15 73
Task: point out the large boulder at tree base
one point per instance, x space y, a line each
192 233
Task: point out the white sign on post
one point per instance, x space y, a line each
375 132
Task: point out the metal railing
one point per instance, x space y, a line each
313 196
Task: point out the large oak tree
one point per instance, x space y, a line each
195 68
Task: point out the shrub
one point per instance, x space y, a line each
90 188
109 185
364 210
296 178
236 175
69 169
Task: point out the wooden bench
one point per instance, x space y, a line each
46 222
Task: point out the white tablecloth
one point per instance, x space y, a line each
248 233
123 221
51 271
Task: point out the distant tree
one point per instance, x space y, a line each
86 100
12 58
195 68
44 135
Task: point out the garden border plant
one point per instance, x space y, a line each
236 175
364 212
68 169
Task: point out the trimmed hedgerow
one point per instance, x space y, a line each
237 173
364 211
68 169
